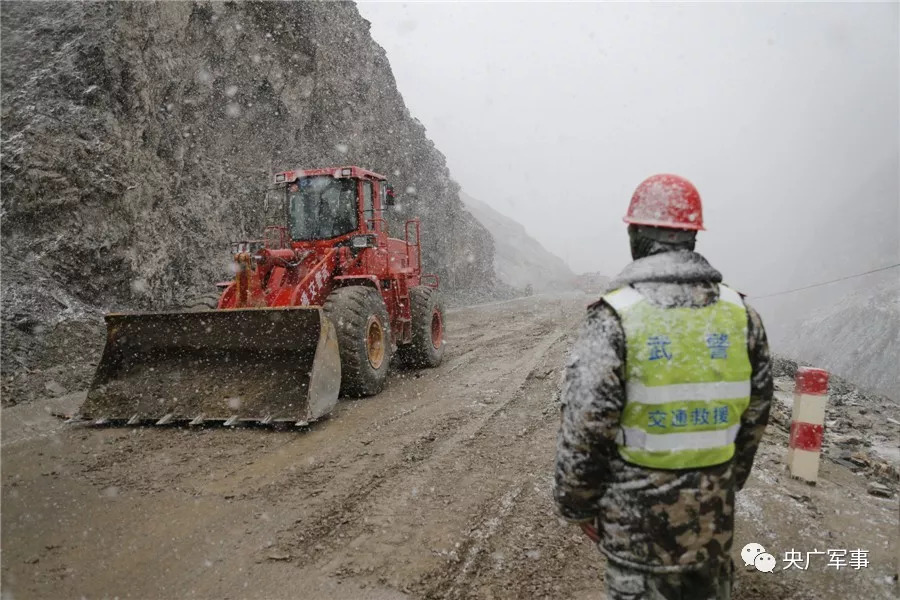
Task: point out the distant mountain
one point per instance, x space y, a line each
856 337
519 259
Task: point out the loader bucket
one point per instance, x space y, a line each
257 365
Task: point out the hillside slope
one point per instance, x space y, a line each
139 138
519 259
857 337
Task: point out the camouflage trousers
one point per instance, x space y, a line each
624 583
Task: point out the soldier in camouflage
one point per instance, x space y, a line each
666 531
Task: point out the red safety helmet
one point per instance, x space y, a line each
668 201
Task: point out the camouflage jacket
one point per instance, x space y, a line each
648 519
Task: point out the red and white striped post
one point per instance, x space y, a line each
807 423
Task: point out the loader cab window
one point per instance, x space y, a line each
368 206
322 207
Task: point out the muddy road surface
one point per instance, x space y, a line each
437 488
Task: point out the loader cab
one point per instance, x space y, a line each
327 204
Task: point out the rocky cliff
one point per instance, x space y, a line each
857 336
138 139
519 259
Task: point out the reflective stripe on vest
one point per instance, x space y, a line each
687 380
700 440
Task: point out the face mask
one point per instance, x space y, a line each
643 246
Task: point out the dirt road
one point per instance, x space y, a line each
437 488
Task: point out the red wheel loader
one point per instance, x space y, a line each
317 307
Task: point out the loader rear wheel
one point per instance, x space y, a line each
427 346
203 302
364 339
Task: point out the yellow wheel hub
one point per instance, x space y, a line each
375 342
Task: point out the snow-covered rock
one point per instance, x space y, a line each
139 139
519 259
856 337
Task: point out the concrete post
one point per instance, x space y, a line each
807 423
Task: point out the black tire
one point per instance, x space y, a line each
204 302
354 310
427 346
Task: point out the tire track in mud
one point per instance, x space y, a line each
474 547
519 549
446 460
440 441
461 573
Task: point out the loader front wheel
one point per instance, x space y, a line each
427 346
364 339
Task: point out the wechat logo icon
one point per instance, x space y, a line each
755 555
764 562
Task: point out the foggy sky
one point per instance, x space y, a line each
785 116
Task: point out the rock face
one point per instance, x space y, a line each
520 260
857 337
139 139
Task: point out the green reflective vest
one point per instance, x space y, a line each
687 382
